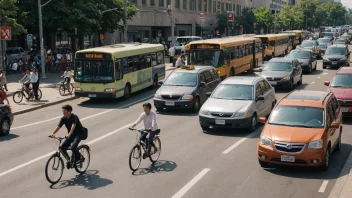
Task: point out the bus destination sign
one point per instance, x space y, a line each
205 46
94 56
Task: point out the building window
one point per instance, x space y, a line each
210 5
222 7
205 5
230 7
214 7
218 10
144 2
238 10
185 4
227 7
161 3
134 2
177 4
234 8
200 5
168 3
152 2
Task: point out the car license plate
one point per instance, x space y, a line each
92 95
344 109
220 122
286 158
334 62
273 83
169 103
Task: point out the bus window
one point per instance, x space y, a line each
117 70
154 61
160 58
232 53
137 63
149 61
272 43
236 52
130 64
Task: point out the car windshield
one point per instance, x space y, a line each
297 116
205 57
94 71
233 92
13 51
335 51
307 44
277 66
182 79
342 80
300 54
340 41
324 40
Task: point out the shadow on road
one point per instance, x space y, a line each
337 161
8 137
177 112
90 180
235 132
157 167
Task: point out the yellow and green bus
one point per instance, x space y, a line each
275 44
118 70
230 56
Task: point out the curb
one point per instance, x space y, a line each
340 184
171 69
44 105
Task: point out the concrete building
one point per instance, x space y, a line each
271 4
152 20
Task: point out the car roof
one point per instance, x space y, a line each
196 69
308 41
302 49
344 70
242 80
337 46
308 98
281 60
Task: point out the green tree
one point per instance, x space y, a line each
298 17
247 20
264 18
222 21
308 7
10 13
285 17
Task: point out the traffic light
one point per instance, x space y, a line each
169 11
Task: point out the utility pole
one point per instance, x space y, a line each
1 49
125 24
275 6
41 39
172 27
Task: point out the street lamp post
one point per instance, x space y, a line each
125 24
41 39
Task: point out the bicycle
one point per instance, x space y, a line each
63 88
58 162
141 144
18 95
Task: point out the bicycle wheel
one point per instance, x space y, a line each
82 166
55 163
17 97
155 154
135 156
40 94
62 90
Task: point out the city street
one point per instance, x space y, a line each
192 163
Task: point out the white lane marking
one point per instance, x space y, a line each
323 186
91 116
191 183
318 77
325 73
312 83
237 143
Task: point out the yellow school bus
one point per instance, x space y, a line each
230 56
299 36
275 44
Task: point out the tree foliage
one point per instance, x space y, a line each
10 13
247 20
264 18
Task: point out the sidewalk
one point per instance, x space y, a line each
343 185
49 88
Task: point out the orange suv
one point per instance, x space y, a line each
302 130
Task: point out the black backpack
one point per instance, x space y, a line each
84 133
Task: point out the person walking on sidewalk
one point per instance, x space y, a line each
3 80
34 80
172 52
3 96
180 61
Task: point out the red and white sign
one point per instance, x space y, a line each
201 15
231 16
5 33
217 32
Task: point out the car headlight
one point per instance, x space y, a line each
157 96
111 90
342 60
305 63
286 78
240 114
265 141
187 97
78 89
204 112
317 144
325 59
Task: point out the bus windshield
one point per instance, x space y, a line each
97 71
205 57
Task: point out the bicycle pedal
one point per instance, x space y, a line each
144 155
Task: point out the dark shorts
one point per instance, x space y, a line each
26 85
67 80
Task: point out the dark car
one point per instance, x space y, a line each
186 88
283 72
341 41
336 56
6 119
350 34
345 36
306 58
312 45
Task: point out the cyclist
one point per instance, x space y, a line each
67 77
74 128
3 96
26 81
150 125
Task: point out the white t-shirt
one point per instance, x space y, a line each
149 121
14 66
33 77
179 62
67 74
172 51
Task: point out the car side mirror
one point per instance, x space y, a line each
258 69
335 125
262 120
260 98
202 84
160 83
208 94
326 83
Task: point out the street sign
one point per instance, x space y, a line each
201 15
5 33
231 16
101 37
29 38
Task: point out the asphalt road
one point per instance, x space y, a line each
192 163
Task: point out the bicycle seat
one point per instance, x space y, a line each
157 131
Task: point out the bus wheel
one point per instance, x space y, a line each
155 81
232 72
251 68
127 92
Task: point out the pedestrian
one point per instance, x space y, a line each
3 96
14 66
3 79
172 52
67 77
34 80
180 61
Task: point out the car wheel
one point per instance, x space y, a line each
5 127
196 105
127 92
316 65
300 81
263 164
326 164
253 123
290 86
339 144
309 69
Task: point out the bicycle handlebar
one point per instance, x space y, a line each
142 131
58 138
